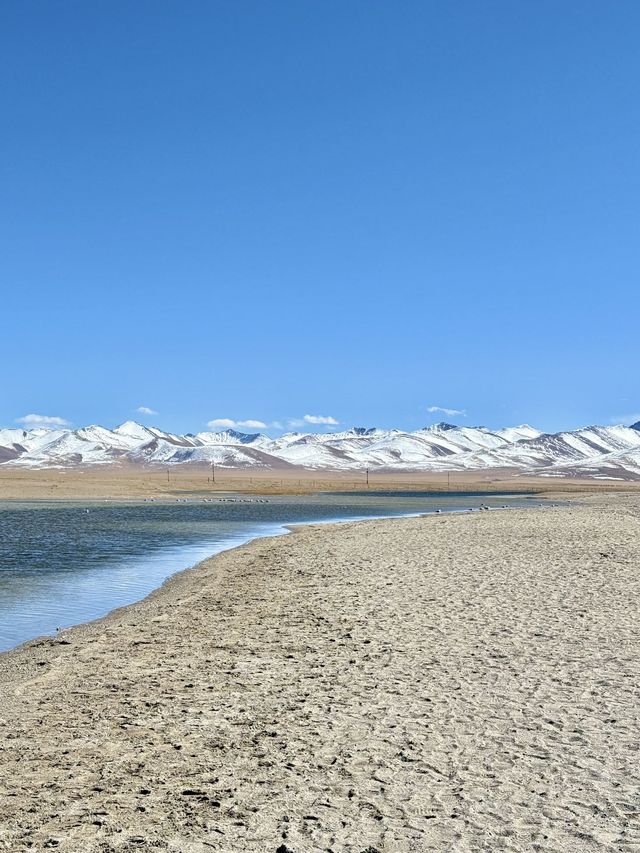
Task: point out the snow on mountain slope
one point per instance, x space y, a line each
133 430
138 433
590 451
31 440
566 447
229 436
100 437
9 437
70 449
406 449
310 454
511 434
353 434
230 456
225 455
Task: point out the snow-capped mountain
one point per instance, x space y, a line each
595 451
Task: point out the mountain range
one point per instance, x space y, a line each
593 451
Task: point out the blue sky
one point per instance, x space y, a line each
355 211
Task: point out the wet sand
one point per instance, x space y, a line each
462 682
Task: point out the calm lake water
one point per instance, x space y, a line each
66 563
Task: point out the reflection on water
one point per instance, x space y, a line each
65 563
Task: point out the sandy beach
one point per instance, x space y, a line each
463 682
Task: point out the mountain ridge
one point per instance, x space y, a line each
592 451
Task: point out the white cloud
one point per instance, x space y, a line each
291 423
320 419
42 421
145 410
225 423
229 423
443 410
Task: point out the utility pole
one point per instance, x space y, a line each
367 478
168 476
213 472
448 479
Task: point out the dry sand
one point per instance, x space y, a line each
137 481
447 683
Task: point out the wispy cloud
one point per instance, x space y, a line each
42 421
445 411
229 423
145 410
633 418
320 419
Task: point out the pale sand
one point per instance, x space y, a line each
448 683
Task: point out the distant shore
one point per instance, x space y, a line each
137 483
400 685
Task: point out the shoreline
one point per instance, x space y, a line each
408 684
42 642
284 529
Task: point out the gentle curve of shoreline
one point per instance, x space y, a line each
232 544
439 682
283 530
